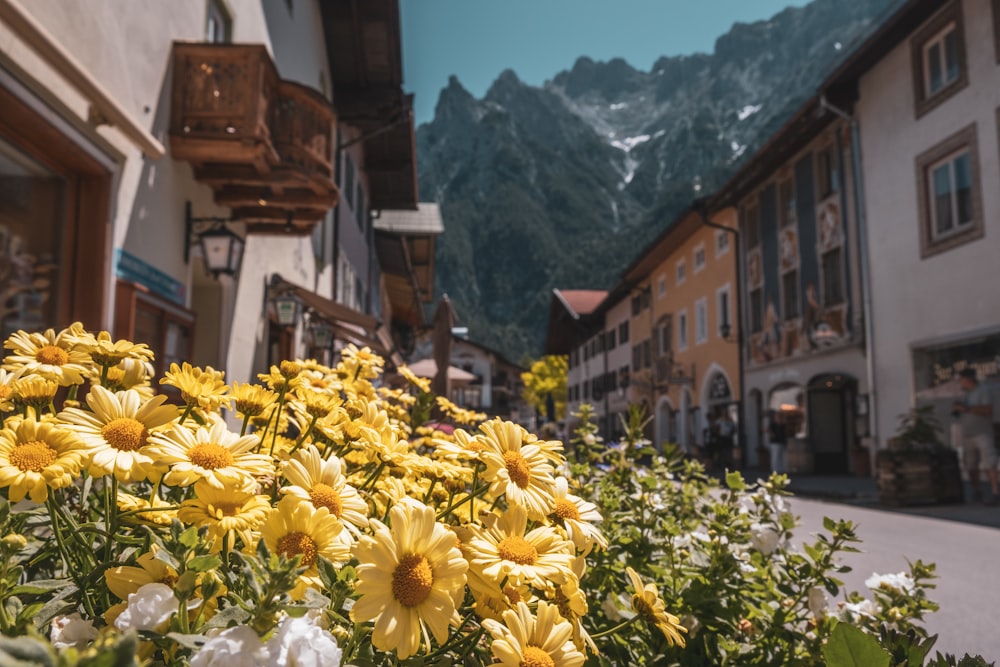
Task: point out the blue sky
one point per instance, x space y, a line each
478 39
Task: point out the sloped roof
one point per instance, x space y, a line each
580 301
425 220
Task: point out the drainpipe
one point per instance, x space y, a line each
741 429
866 289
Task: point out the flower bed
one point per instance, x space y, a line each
315 519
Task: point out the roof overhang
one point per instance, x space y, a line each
404 243
566 327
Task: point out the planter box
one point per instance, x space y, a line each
919 477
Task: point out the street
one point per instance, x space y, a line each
967 558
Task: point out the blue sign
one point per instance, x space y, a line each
131 268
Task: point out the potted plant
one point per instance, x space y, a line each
918 468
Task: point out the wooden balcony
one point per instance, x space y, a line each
262 144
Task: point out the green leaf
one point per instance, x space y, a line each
850 647
230 615
189 538
39 587
734 480
187 641
829 523
204 563
166 557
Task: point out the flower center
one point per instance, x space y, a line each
34 456
125 434
227 509
412 580
294 544
517 468
532 656
476 446
4 391
323 495
210 456
249 406
642 606
51 355
517 550
566 509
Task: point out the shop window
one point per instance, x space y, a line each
938 55
166 327
949 190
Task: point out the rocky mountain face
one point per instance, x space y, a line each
562 185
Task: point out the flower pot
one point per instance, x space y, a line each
918 477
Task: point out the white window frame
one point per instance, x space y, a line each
720 316
721 243
682 337
661 286
218 23
938 39
947 161
701 321
681 274
698 268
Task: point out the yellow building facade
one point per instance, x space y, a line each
685 356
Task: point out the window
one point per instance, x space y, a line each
610 337
664 338
756 311
827 175
586 390
790 294
623 332
682 330
661 289
786 202
218 23
833 277
646 357
721 242
938 54
723 316
701 320
699 258
348 190
681 272
586 351
636 358
751 226
950 202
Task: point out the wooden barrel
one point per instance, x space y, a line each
799 456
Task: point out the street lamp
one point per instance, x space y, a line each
287 307
221 247
322 333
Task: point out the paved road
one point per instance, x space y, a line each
968 564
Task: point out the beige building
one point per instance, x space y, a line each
687 366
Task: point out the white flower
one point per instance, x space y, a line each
855 611
900 582
73 631
300 643
614 607
764 538
238 646
148 609
817 601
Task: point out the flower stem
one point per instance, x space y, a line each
305 435
620 626
187 412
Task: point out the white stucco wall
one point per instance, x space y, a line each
917 300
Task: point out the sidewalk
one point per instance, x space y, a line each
863 492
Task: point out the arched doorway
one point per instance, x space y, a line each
665 427
720 414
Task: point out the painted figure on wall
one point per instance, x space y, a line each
770 341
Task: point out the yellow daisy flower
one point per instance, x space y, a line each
34 391
316 404
49 355
37 456
461 444
457 414
423 384
226 512
204 388
105 352
578 517
278 381
650 606
540 640
251 400
7 390
322 483
320 378
294 528
128 374
126 580
503 550
516 470
221 458
117 429
408 577
161 517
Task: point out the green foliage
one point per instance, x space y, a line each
919 428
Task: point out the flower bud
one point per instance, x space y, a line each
14 541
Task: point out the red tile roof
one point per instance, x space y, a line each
581 301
